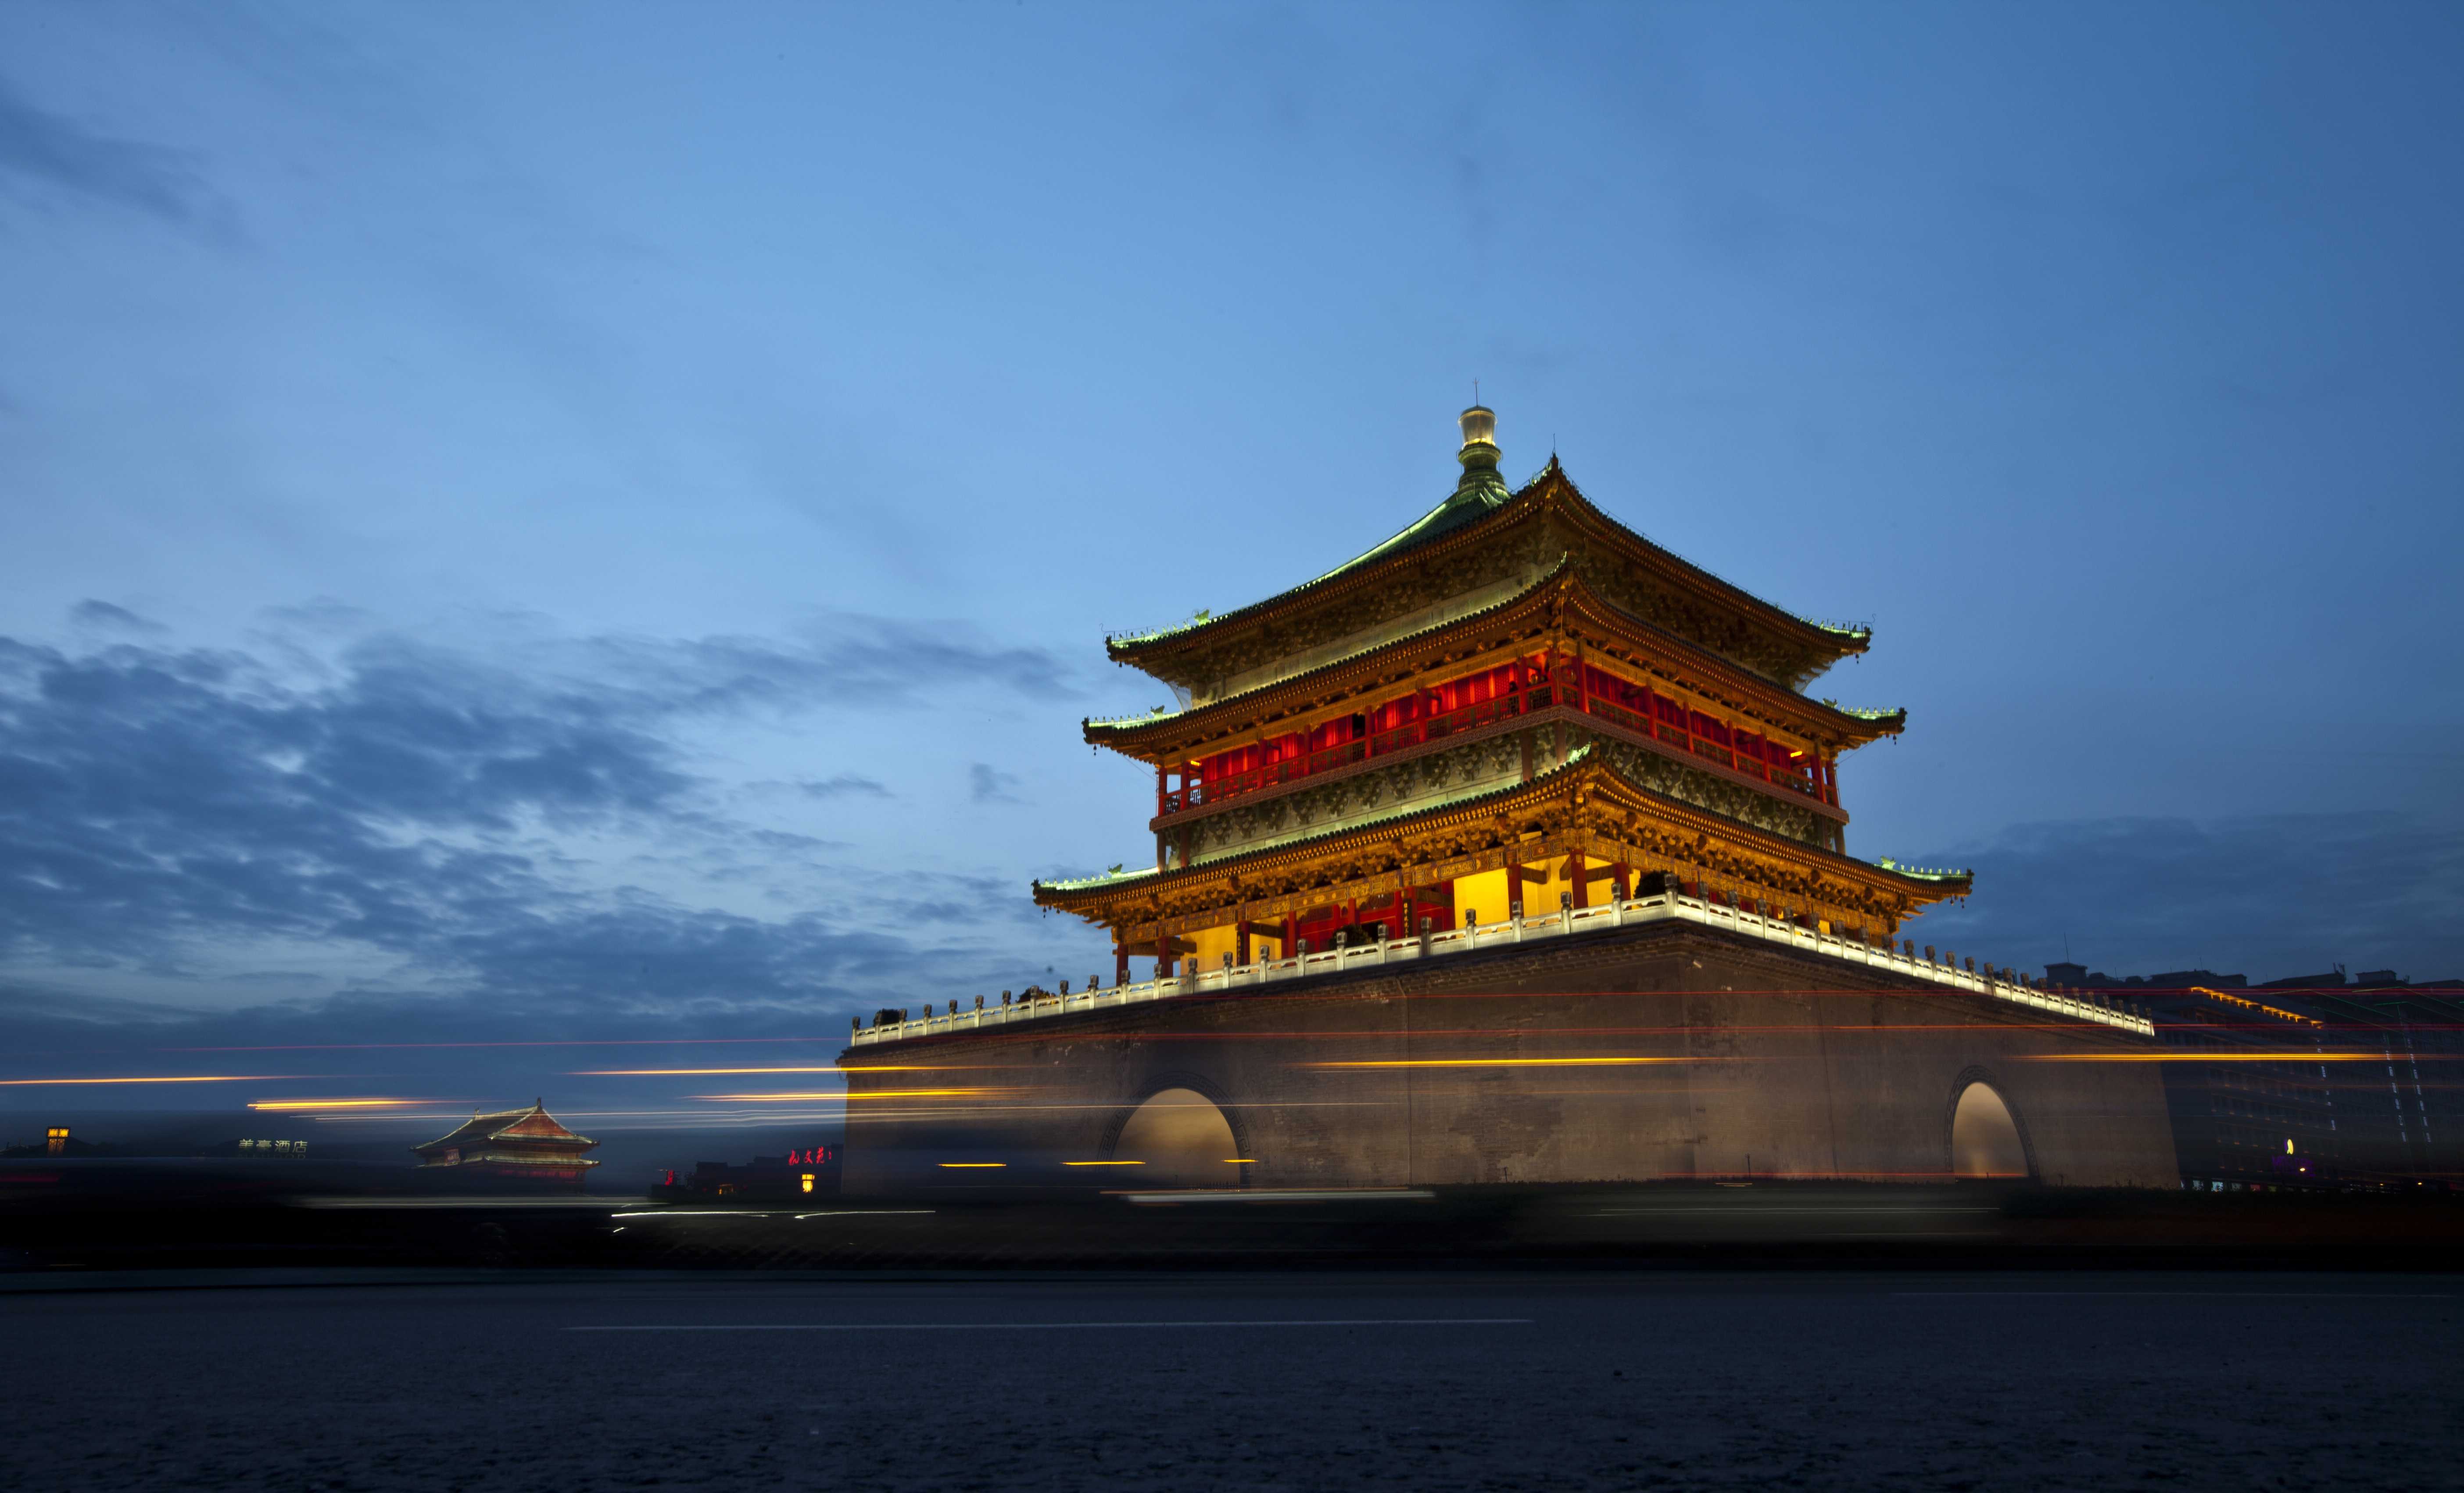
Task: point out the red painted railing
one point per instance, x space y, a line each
1566 688
1454 722
1778 775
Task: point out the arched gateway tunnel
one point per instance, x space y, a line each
1670 1051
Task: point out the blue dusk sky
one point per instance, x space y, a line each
596 522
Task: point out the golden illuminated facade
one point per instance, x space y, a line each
1516 702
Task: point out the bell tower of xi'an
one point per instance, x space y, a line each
1509 851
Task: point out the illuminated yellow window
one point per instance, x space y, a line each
808 1181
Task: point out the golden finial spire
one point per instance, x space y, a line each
1479 453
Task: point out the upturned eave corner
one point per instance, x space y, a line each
1430 528
1891 721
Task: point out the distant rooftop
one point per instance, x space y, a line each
2081 975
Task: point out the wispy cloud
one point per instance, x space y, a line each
104 616
48 152
846 784
990 785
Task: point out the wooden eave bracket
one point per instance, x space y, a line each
1607 798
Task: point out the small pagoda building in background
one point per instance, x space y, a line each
513 1145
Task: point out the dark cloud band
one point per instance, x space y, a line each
157 803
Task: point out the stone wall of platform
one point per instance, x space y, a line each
1762 1062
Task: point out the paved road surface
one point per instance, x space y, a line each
1297 1381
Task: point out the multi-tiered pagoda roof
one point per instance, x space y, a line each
1514 690
512 1143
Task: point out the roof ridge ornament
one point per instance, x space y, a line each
1480 455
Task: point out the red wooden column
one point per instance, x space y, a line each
1162 802
1241 955
1291 938
1120 960
1579 882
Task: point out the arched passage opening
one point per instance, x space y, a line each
1985 1141
1183 1140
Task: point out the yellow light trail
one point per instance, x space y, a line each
1507 1062
676 1073
209 1077
1103 1163
753 1098
1239 1161
971 1166
667 1073
337 1104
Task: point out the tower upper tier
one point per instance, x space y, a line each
1482 546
